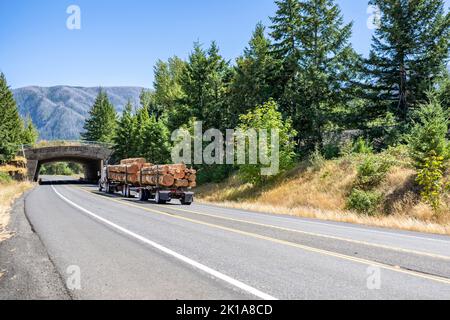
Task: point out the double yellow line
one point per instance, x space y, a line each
288 243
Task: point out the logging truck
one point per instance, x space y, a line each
161 183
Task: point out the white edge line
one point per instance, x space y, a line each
174 254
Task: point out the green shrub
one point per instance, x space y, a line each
429 133
372 171
362 146
267 117
364 202
5 178
316 160
59 168
430 178
213 173
429 149
331 151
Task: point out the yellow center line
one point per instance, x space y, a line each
282 242
376 245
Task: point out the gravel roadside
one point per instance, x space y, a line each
28 273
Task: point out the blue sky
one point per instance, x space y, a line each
120 41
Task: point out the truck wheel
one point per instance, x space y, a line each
144 195
126 191
158 199
109 189
185 203
128 195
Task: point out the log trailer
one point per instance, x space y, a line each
143 190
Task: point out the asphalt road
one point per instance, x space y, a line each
107 247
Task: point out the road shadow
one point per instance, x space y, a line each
64 182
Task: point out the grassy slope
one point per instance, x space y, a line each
8 193
322 193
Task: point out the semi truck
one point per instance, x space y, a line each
135 185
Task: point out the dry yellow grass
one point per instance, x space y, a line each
323 193
8 193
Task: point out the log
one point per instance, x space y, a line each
181 183
191 177
193 184
133 161
122 177
155 170
133 170
163 180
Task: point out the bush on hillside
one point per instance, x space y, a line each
5 178
372 172
364 202
429 149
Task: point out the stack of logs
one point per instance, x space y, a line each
133 170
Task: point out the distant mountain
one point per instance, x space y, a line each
59 112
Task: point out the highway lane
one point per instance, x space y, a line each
126 249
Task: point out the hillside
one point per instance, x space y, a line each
59 112
321 190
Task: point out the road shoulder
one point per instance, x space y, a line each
28 271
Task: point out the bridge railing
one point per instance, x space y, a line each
66 143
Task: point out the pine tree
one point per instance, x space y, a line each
101 123
318 64
167 85
30 133
409 51
155 147
142 121
443 92
253 80
204 82
124 138
285 28
11 125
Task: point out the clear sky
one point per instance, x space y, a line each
120 40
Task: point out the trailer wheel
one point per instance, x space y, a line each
144 195
109 188
126 191
185 203
158 199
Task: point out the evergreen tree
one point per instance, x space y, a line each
30 133
409 51
285 28
429 132
429 149
253 79
124 138
318 61
101 123
11 125
327 67
204 82
142 121
155 147
443 92
167 85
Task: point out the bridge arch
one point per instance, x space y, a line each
91 155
